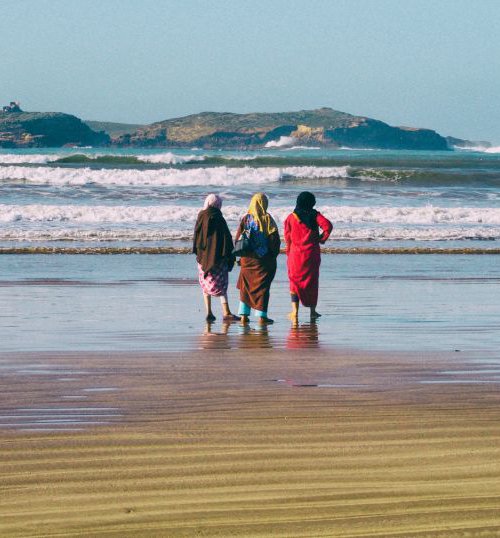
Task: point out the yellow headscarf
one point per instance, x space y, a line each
258 210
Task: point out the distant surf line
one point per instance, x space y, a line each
186 250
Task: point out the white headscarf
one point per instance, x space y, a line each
213 200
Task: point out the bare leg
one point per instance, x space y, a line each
208 306
294 314
228 315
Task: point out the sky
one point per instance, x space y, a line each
421 63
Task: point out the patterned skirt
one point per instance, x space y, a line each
216 280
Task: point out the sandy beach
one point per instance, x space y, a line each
249 442
357 145
123 414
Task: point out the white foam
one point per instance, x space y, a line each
240 157
121 214
415 234
221 175
95 214
422 215
283 142
166 158
94 234
169 158
479 148
15 158
304 147
161 233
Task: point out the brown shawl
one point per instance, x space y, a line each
212 241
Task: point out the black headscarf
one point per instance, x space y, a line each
304 210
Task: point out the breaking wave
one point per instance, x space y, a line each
14 158
221 175
345 215
168 158
479 148
283 142
145 234
103 158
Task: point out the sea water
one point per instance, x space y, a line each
446 303
84 197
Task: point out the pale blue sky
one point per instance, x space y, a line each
427 63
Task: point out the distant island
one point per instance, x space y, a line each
45 129
323 127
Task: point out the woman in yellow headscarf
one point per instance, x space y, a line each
258 267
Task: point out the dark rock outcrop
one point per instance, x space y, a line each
368 133
47 129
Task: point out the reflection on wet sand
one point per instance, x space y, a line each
213 339
305 335
254 336
241 336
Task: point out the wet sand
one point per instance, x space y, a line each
153 303
249 442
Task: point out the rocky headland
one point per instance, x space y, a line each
323 127
320 127
47 129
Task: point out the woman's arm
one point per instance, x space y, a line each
325 225
288 234
240 229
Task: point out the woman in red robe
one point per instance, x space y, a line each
305 230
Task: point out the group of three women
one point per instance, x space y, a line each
304 230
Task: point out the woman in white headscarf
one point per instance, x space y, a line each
213 246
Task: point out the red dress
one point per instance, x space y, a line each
303 256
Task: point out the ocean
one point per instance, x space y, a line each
83 197
382 201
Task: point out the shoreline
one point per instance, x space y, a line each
153 302
251 443
188 250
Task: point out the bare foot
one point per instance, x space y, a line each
244 319
210 317
293 316
231 317
266 321
315 315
